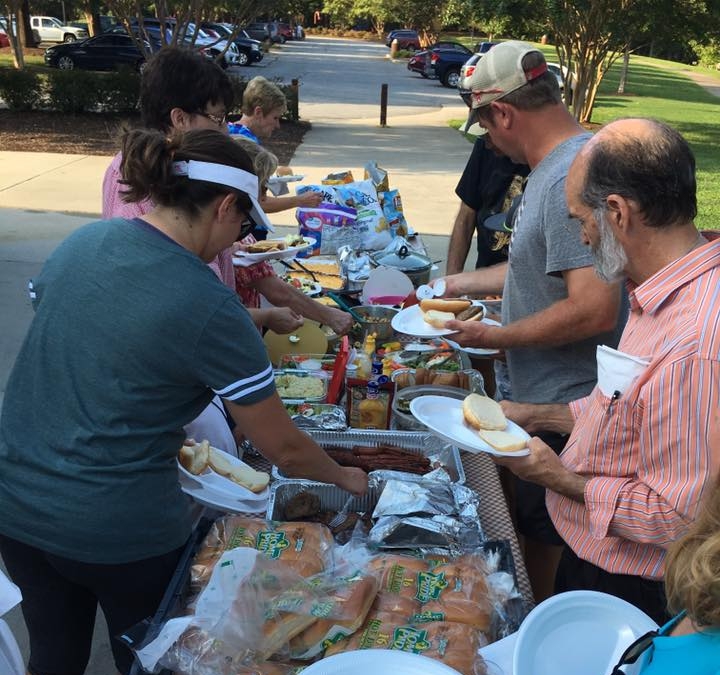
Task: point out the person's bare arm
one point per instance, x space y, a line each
461 238
485 281
536 417
272 204
543 467
282 294
269 428
592 307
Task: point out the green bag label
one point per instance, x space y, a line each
272 543
430 586
411 640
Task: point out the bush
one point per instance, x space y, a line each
74 91
708 53
120 90
20 89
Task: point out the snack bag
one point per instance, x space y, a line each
393 211
330 225
378 176
338 178
328 192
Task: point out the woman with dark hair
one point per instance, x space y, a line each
132 336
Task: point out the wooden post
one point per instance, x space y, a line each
383 105
295 110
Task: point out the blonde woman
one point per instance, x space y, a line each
690 642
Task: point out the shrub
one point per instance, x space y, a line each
20 89
120 90
74 91
708 53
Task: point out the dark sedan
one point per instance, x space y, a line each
419 61
104 52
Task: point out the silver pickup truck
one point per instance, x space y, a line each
50 29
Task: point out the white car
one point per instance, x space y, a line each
50 29
212 46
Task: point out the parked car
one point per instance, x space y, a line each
418 61
153 42
263 31
445 64
286 32
212 47
249 50
50 29
104 52
467 69
406 38
484 47
4 39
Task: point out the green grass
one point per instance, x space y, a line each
6 59
663 90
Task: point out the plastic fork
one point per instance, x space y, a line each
342 515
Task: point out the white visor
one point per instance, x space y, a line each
222 174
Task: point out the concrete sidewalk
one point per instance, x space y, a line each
424 158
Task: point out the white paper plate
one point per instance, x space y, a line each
221 485
478 351
410 321
220 501
379 662
284 179
444 417
578 632
242 259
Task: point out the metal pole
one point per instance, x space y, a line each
383 105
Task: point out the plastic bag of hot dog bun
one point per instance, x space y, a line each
423 591
305 547
330 225
453 644
238 617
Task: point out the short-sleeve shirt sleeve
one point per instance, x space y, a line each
231 358
565 249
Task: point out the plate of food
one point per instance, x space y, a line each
475 424
269 249
428 318
204 467
307 285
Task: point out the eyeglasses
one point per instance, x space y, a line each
635 651
217 119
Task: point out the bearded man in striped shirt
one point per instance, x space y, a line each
645 444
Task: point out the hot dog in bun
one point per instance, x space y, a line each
437 311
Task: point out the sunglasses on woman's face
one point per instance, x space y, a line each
246 228
635 651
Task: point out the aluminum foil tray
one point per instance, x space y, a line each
332 498
422 442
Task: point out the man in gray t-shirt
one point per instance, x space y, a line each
555 309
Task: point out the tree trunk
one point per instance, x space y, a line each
18 56
624 71
26 36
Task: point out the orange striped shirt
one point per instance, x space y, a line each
650 455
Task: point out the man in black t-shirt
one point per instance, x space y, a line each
487 185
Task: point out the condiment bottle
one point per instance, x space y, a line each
369 344
372 409
364 365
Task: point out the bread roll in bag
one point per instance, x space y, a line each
306 547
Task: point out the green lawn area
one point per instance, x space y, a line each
663 90
6 59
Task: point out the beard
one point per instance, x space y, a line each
610 258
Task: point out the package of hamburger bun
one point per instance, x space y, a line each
305 547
